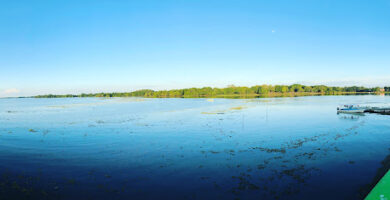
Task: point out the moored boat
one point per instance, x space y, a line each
350 109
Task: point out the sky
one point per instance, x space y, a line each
75 46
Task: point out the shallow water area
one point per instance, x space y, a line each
175 148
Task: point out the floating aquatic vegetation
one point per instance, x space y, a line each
213 113
269 150
45 132
230 151
216 186
71 181
306 155
130 99
261 166
299 173
259 101
143 124
299 142
244 183
337 149
237 108
221 112
103 102
77 105
20 186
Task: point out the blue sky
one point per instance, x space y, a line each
74 46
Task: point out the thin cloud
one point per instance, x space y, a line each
359 81
11 91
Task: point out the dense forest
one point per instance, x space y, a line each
258 90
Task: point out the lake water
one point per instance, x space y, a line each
136 148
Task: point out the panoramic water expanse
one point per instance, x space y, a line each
136 148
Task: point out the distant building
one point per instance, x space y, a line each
382 90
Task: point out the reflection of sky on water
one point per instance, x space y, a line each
189 148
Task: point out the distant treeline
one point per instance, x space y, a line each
258 90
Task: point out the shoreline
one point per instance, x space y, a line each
248 96
235 92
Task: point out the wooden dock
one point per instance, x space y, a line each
383 111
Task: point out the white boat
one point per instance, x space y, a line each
350 109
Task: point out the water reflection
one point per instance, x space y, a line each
350 116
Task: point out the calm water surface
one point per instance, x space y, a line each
135 148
